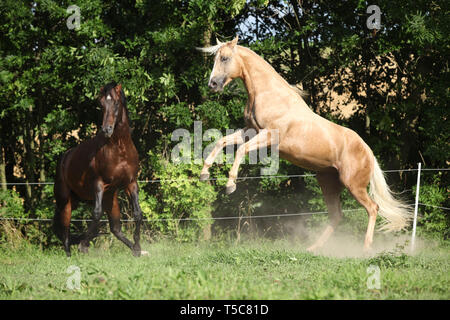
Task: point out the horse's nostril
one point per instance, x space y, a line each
108 130
212 84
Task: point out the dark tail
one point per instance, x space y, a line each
57 225
60 230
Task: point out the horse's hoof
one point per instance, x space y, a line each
136 250
311 249
230 189
137 253
204 176
83 249
144 253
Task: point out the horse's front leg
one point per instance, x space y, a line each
93 228
235 138
264 138
133 195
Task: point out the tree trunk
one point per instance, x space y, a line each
28 164
367 125
206 43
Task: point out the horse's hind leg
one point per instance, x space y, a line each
113 210
61 224
63 212
356 178
358 188
331 187
372 210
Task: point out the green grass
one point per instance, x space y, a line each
219 270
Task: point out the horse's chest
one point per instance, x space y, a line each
250 117
120 172
118 168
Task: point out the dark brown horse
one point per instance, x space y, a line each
95 171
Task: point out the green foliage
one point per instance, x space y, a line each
433 220
11 204
180 196
50 77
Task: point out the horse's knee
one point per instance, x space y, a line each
335 219
97 214
115 229
372 209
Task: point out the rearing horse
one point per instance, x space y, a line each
280 116
96 170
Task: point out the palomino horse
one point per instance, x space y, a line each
96 170
280 116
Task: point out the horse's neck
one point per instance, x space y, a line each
122 130
256 71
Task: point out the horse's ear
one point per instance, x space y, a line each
234 42
101 92
118 88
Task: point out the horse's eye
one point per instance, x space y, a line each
224 59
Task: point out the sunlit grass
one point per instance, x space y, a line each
256 269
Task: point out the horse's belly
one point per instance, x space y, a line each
83 186
313 152
311 143
309 163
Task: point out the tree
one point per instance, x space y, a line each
50 76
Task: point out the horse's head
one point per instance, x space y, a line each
226 64
111 102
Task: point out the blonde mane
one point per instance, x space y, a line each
300 92
213 49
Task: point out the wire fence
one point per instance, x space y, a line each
194 219
238 178
225 218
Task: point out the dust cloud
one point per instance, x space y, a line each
341 245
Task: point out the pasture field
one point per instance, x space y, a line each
252 269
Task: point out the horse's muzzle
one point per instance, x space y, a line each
216 84
108 131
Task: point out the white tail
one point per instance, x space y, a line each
396 213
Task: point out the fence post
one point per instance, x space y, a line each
416 208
